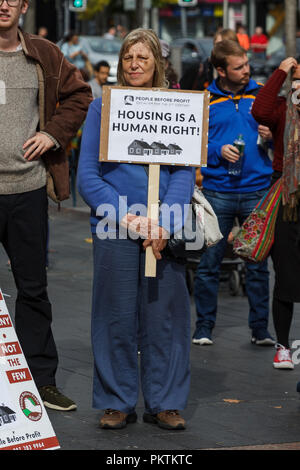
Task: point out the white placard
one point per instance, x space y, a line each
142 125
24 423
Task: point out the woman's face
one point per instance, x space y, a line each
138 66
74 39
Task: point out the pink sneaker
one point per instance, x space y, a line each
282 359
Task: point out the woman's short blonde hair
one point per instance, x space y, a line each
150 39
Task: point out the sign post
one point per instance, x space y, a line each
24 423
154 127
153 213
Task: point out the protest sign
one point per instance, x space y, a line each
24 423
154 127
146 125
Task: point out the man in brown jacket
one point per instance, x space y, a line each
43 102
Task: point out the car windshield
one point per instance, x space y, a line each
109 46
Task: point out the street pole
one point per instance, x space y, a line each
290 27
252 16
29 19
183 18
60 19
140 13
290 33
155 20
67 18
225 14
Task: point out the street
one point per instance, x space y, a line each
237 399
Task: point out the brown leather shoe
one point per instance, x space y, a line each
169 419
114 419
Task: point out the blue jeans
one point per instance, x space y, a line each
227 207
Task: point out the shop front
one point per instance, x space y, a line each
203 20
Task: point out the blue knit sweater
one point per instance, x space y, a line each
123 185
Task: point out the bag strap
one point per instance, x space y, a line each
274 192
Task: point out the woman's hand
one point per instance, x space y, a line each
154 235
287 64
138 224
158 244
265 132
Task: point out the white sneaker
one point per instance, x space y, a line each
202 341
282 359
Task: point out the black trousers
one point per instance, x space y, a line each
23 233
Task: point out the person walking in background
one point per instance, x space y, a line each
226 34
243 37
171 75
73 51
111 33
121 31
259 43
282 115
232 196
199 77
43 32
101 72
130 311
34 132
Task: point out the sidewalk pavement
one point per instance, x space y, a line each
237 399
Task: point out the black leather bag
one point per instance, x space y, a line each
187 244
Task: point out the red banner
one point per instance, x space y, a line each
41 444
18 375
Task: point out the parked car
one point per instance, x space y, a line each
267 67
98 48
277 57
257 69
193 51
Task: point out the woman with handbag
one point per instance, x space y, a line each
282 116
130 312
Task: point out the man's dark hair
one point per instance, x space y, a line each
222 50
102 63
69 35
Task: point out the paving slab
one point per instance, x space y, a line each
237 400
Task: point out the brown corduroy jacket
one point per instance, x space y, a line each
63 103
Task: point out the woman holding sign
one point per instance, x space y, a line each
130 312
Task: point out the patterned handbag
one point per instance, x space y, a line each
256 236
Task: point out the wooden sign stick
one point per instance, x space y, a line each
153 213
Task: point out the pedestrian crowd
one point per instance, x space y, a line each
140 325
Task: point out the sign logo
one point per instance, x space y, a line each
128 99
30 406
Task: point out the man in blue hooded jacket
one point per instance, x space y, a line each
233 196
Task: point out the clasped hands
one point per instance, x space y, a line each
154 235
